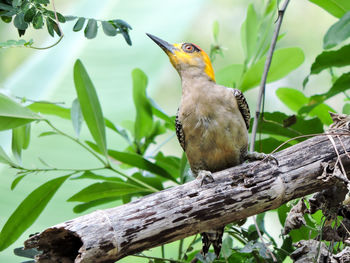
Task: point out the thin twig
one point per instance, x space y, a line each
259 101
266 71
59 29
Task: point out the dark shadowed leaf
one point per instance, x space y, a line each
90 106
328 59
38 21
29 14
274 124
90 30
338 32
19 22
49 26
28 211
79 24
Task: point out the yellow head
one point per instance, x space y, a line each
186 58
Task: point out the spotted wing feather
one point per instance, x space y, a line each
179 131
243 106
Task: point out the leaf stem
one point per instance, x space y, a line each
266 71
77 141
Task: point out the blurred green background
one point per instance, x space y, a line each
47 75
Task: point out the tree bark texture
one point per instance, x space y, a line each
181 211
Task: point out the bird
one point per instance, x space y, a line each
211 123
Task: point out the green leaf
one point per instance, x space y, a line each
292 98
6 7
346 109
5 159
121 131
17 180
105 190
43 134
274 124
335 7
328 59
279 68
322 112
76 116
282 212
19 22
49 26
29 14
18 137
50 109
13 114
70 18
79 24
90 31
338 32
51 14
28 211
85 206
230 75
16 3
249 32
93 176
38 21
227 245
90 106
144 120
268 145
156 182
108 28
140 162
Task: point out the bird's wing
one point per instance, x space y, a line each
243 106
179 131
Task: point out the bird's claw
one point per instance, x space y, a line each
205 177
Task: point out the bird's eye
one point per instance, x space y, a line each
188 48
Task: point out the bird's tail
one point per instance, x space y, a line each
212 237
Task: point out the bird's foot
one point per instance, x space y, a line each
254 156
205 177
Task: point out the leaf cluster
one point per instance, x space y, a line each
35 13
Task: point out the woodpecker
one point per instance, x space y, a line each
212 121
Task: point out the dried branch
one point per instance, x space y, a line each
181 211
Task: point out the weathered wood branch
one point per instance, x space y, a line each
178 212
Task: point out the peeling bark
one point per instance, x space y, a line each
178 212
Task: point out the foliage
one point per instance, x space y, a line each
25 13
142 168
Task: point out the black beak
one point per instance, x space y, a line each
167 47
